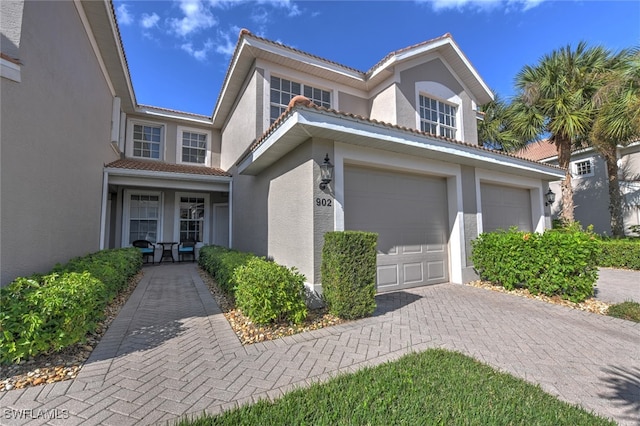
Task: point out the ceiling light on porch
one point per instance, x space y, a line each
550 196
326 173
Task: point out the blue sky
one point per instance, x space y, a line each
178 51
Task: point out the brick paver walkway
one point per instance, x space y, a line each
170 352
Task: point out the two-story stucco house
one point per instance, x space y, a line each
590 183
84 166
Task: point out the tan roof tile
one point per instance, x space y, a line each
537 151
158 166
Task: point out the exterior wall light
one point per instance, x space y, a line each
550 196
326 173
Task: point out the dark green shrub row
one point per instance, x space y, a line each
44 313
349 273
221 263
269 292
620 253
558 262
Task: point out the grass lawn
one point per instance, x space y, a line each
628 310
435 387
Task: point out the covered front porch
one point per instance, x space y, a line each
165 203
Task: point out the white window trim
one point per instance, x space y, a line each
439 92
126 212
302 82
206 219
574 168
182 129
129 140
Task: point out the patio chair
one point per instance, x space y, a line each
147 248
187 247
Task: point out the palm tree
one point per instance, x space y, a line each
554 98
617 122
493 129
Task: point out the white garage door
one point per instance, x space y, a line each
409 214
504 207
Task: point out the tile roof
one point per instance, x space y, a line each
158 166
10 59
310 105
537 151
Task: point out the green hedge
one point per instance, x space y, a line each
221 263
269 292
44 313
349 273
624 253
558 262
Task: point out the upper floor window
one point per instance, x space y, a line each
283 90
193 146
583 168
147 140
437 117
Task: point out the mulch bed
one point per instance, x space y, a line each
589 305
249 333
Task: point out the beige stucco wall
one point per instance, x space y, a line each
433 71
273 212
244 123
170 149
353 104
10 26
384 104
54 142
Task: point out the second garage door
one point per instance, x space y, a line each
409 214
504 207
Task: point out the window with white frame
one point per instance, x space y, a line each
192 214
193 146
583 168
283 90
147 140
143 217
437 117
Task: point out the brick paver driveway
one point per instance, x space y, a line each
170 352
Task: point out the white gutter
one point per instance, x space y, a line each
116 171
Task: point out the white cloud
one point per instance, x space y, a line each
124 16
199 54
196 17
226 46
523 5
149 21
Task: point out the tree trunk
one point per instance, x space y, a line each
615 197
563 146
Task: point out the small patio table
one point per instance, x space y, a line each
167 250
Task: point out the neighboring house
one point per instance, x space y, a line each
590 183
84 166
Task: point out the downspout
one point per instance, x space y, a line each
103 209
231 213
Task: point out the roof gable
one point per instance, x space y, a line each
251 47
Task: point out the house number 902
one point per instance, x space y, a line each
323 202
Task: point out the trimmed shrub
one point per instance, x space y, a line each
348 273
269 292
623 253
44 313
558 262
221 263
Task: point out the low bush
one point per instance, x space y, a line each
44 313
269 292
221 263
348 273
620 253
558 262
